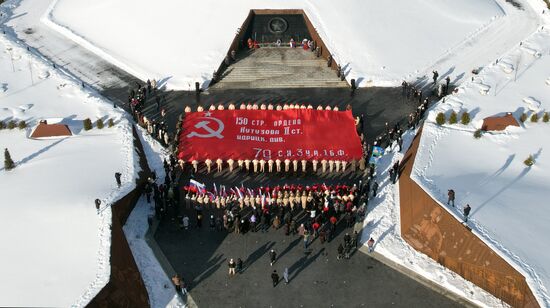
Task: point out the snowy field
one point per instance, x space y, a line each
378 42
383 224
509 200
55 246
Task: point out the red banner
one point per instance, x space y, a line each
269 134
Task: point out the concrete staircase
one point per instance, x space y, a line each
282 67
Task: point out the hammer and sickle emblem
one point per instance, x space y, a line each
204 125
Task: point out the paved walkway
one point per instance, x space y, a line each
317 278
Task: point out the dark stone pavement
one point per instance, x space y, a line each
317 278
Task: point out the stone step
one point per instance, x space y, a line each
280 77
281 63
289 81
245 85
279 68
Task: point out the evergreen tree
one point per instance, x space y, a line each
99 123
523 117
440 118
22 124
8 162
453 118
478 133
465 119
87 124
111 123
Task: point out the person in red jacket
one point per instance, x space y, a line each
316 227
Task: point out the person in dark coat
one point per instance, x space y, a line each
374 189
199 220
340 251
347 238
451 195
467 210
347 249
322 236
97 205
275 278
272 256
355 239
148 191
447 81
117 178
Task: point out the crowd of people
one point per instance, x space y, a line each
311 212
142 96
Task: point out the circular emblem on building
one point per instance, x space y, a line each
277 25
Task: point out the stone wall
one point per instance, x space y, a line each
263 28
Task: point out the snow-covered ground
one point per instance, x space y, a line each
383 224
159 286
378 42
55 246
381 42
509 200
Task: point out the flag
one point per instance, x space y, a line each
215 189
211 195
199 186
377 152
239 192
